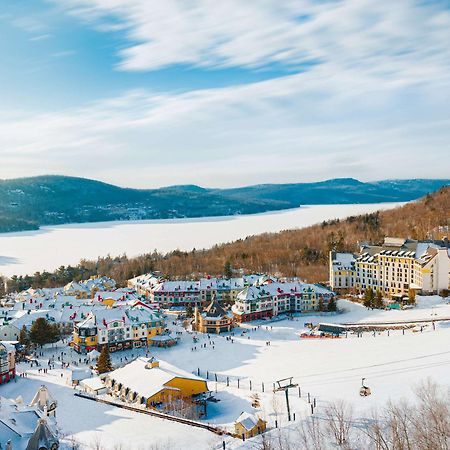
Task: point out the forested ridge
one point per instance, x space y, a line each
300 252
28 203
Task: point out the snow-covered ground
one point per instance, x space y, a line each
328 369
53 246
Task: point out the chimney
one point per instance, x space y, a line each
152 363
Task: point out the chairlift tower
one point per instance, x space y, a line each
284 385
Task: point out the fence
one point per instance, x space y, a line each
246 383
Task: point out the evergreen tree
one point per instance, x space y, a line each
42 332
189 311
2 287
368 298
412 297
332 304
379 300
23 337
227 270
321 307
104 361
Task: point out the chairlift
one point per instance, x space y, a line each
364 391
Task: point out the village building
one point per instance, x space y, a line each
115 298
249 425
7 362
118 328
9 331
163 340
77 290
342 271
29 427
264 301
44 402
161 386
93 386
394 267
87 288
213 319
169 293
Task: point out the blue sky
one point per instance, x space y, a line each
150 93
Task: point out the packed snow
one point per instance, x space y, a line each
393 363
50 247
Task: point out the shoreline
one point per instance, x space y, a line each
27 252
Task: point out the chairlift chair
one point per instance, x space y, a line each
364 391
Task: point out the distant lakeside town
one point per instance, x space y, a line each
96 318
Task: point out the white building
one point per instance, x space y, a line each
342 271
169 293
31 427
270 299
394 267
9 332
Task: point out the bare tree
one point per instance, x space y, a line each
338 423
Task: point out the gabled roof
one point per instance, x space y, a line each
139 377
247 420
42 437
214 310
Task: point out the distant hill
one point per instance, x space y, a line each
299 252
27 203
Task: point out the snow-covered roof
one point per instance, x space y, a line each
280 289
343 260
247 420
213 311
95 383
147 381
43 437
134 315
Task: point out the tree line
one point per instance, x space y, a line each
302 252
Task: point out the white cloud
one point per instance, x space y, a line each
403 38
300 127
376 106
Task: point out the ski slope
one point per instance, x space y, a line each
329 369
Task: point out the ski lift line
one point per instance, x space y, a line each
379 374
401 322
300 378
399 370
372 365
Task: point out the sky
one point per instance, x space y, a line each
148 93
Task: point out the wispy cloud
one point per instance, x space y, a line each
402 38
375 104
299 127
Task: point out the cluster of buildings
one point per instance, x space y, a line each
269 298
161 386
94 311
29 427
88 288
157 385
120 328
252 297
169 293
7 362
394 268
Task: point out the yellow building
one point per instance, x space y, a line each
248 425
213 319
159 386
118 328
394 268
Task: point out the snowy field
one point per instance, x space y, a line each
329 369
53 246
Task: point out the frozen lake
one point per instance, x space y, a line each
53 246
